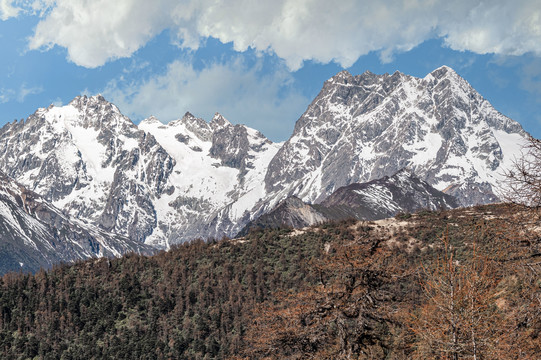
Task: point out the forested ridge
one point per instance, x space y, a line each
458 284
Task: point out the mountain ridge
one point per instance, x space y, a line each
388 122
168 183
377 199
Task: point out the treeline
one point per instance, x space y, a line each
192 302
463 284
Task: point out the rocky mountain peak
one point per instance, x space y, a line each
445 78
343 77
94 111
91 161
444 71
169 183
218 122
83 101
188 117
196 126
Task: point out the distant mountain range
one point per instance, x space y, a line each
163 184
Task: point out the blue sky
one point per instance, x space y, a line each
258 63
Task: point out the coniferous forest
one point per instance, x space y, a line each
459 284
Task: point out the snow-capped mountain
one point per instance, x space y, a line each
361 128
164 184
34 234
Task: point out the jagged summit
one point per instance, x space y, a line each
83 111
193 123
188 117
444 70
91 161
95 100
218 121
369 78
343 76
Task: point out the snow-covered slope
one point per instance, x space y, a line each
153 183
34 234
218 176
364 127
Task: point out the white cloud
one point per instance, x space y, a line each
241 93
296 30
7 95
499 27
24 91
97 31
7 10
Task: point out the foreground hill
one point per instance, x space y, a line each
367 289
376 199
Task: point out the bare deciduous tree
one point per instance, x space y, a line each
523 181
460 319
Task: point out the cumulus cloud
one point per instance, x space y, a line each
499 27
8 9
96 31
243 94
295 30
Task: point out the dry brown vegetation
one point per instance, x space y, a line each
463 284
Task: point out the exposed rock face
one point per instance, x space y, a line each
34 234
291 212
385 197
217 178
361 128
